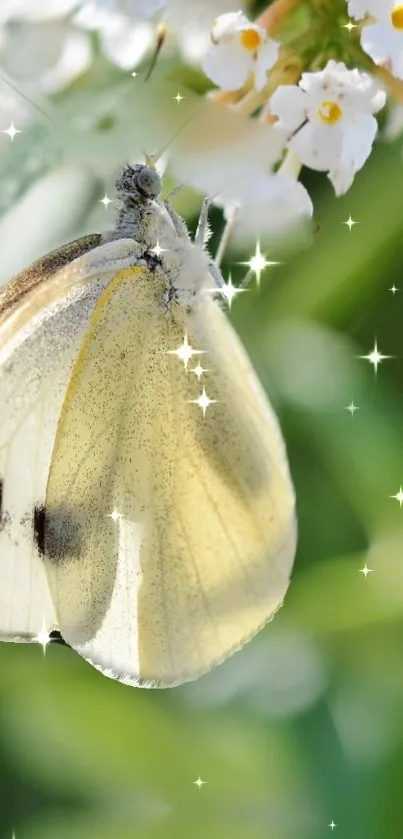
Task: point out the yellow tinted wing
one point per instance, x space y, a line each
170 535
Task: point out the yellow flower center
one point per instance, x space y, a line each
250 39
396 17
330 112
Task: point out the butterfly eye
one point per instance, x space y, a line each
149 182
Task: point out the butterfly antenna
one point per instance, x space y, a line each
152 159
27 99
162 32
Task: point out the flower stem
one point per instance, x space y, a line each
291 165
393 85
275 15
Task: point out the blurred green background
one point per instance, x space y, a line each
305 724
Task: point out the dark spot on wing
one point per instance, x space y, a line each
5 518
39 529
57 533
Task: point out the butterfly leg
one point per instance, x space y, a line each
178 223
216 273
226 234
203 229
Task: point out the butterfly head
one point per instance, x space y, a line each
139 180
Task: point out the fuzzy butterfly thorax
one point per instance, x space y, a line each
155 225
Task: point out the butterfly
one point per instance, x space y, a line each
146 508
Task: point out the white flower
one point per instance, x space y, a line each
37 10
239 49
125 41
46 55
382 38
127 27
329 120
268 207
191 23
219 150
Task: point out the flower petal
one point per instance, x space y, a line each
356 146
290 104
227 65
267 56
226 25
124 44
269 207
318 146
385 45
358 9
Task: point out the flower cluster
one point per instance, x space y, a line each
303 109
325 117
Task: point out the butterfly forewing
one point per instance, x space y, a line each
45 313
170 532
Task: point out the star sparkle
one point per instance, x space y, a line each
229 291
158 250
375 357
106 201
199 783
398 496
366 571
185 352
134 74
258 263
199 370
352 408
332 825
43 637
114 515
349 26
203 401
178 97
393 289
11 131
350 223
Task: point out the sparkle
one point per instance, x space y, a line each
203 401
352 408
11 131
199 783
134 74
332 825
43 637
375 357
399 497
258 263
114 515
366 571
393 289
158 250
178 97
105 201
199 370
230 291
185 352
350 223
350 26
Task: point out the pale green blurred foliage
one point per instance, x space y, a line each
304 725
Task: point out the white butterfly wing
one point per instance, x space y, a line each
169 535
41 329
